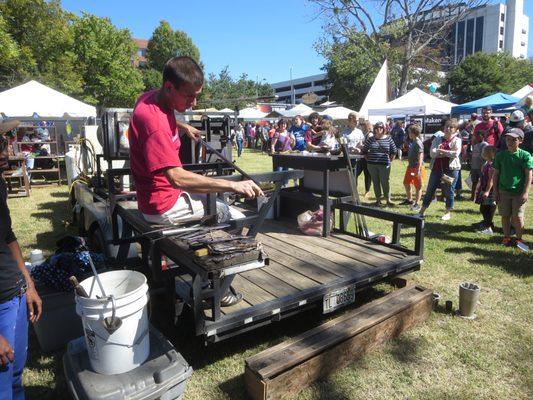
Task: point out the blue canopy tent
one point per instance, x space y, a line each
497 101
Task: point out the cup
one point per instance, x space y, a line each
468 299
36 257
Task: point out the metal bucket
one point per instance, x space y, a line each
468 299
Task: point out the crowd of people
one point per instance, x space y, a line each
496 152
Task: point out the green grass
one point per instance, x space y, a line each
445 358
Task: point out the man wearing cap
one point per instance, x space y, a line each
493 128
19 301
517 120
511 182
527 144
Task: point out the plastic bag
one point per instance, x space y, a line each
311 222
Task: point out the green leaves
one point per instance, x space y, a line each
85 57
481 74
166 43
106 54
224 91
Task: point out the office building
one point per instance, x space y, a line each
291 91
142 47
492 28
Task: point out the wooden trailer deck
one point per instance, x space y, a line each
302 270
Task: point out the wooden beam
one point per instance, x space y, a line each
284 370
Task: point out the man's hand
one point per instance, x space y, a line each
524 197
35 305
247 188
191 131
6 352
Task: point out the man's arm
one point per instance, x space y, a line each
196 183
32 298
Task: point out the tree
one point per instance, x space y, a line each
166 43
106 56
223 91
351 71
481 74
408 28
38 33
152 78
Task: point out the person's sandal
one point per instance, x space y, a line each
231 298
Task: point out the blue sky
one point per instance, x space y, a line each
261 38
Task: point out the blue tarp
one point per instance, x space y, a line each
497 101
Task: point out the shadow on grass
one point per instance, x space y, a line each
59 215
516 264
49 364
60 195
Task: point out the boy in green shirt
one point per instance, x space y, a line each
512 179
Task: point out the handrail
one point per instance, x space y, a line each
397 219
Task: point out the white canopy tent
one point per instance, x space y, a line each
414 102
300 109
35 98
523 93
377 95
227 110
337 113
251 114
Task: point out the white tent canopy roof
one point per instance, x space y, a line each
414 102
524 92
251 114
337 113
227 110
300 109
378 93
34 97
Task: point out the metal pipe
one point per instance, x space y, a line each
218 153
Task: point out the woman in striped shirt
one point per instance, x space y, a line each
380 150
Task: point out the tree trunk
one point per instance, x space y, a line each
406 64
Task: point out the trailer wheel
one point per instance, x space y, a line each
81 223
97 241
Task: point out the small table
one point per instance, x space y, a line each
24 182
324 163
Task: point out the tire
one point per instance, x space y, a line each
97 242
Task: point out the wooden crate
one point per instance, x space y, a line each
285 369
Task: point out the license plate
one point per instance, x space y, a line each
338 298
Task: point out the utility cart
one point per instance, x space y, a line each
295 273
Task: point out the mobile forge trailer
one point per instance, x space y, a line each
301 272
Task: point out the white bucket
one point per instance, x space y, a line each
129 346
36 257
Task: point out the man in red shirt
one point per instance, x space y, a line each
493 128
154 136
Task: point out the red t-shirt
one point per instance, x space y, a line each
487 126
154 147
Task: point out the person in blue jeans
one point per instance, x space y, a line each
445 166
239 139
19 302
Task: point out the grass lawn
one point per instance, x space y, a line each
445 358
